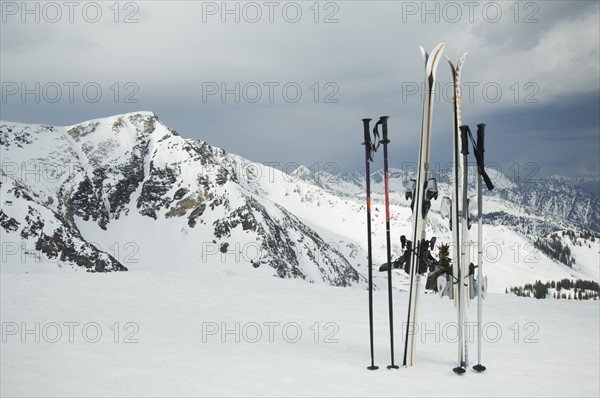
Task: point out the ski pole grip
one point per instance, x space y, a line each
480 137
367 134
480 160
464 135
383 120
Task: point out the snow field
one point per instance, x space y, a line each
226 330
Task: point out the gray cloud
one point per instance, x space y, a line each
366 64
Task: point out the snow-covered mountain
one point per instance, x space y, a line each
131 185
127 192
591 184
558 203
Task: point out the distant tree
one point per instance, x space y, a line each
539 290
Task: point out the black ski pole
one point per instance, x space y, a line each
482 175
368 146
385 141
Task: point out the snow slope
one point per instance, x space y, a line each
294 339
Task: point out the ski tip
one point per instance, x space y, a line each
433 60
439 48
479 368
424 53
459 370
451 65
461 61
372 367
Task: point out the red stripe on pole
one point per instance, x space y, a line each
387 202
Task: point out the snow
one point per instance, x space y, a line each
180 287
171 339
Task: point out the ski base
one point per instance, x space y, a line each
459 370
393 367
479 368
372 367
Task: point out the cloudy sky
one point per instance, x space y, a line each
289 82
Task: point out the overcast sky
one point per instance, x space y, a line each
289 82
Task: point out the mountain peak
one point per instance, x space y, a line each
301 171
138 115
134 187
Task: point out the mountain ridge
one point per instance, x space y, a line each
127 192
132 163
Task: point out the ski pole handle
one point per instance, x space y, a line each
464 135
383 120
480 160
480 137
367 134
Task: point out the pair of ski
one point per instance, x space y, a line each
463 277
371 146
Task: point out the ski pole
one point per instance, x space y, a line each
367 144
465 260
480 136
383 121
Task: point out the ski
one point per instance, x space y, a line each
458 252
369 149
423 191
465 265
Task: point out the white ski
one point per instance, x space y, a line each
459 254
424 190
